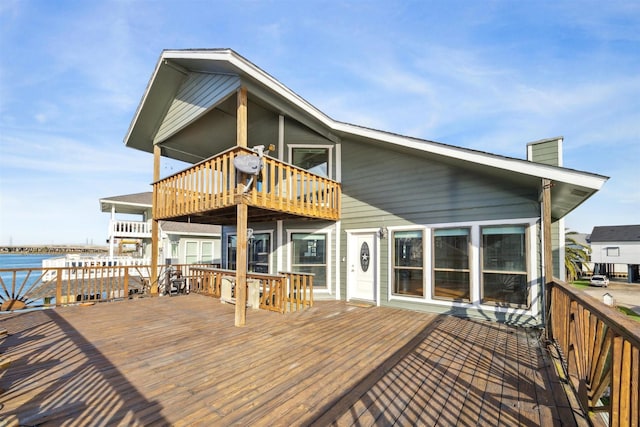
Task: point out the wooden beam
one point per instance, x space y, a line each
241 118
546 230
154 224
241 265
547 252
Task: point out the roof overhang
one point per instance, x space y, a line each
136 203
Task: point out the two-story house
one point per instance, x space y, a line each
376 216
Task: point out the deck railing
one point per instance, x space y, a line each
133 229
283 292
214 183
601 349
85 282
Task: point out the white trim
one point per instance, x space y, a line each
281 137
339 162
279 247
328 231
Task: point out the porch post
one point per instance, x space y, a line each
547 252
154 223
112 231
242 117
241 218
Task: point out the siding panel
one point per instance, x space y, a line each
198 94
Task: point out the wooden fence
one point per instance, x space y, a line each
601 352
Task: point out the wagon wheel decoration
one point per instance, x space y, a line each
24 292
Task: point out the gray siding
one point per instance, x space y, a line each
198 94
546 152
383 187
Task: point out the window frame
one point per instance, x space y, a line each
394 267
249 262
328 147
468 270
326 232
526 273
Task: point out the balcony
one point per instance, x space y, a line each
209 191
130 229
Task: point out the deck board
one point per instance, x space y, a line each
180 361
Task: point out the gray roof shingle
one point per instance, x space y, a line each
616 233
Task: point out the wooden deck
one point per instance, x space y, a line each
180 361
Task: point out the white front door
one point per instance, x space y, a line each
362 266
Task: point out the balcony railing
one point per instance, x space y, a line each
214 184
134 229
601 354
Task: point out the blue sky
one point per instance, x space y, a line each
487 75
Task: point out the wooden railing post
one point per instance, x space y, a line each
125 286
58 287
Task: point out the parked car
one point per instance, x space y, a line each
599 280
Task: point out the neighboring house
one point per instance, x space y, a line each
615 251
378 217
130 228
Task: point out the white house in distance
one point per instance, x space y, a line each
181 242
615 251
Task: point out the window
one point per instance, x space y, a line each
191 253
207 253
613 251
313 159
451 276
504 265
258 250
407 263
309 256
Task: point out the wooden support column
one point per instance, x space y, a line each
154 224
547 251
241 218
241 266
546 230
242 117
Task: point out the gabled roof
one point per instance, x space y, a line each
175 67
616 233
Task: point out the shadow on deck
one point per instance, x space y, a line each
180 361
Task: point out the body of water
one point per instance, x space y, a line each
24 280
22 261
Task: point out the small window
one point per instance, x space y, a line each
313 159
504 266
613 251
408 263
451 275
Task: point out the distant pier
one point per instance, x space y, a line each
53 249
